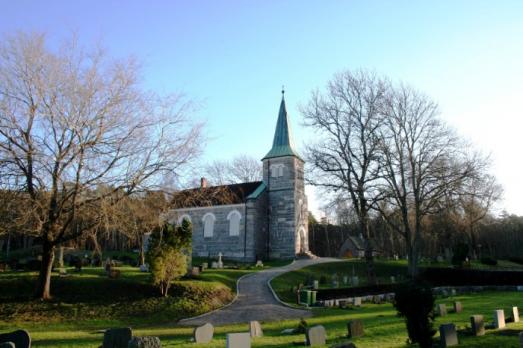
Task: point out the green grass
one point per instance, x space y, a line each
382 327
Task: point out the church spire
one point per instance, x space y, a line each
282 144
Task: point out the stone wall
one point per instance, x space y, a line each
232 247
257 226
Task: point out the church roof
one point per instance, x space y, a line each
282 144
217 195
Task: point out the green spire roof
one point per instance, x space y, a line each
282 144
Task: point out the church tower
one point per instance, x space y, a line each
287 203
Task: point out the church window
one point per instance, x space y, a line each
184 217
276 170
208 224
234 218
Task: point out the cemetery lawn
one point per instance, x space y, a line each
382 327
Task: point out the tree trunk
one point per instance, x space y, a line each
61 257
43 288
413 261
142 250
369 258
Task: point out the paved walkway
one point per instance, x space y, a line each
255 300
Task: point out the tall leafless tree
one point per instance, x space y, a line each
73 120
240 169
346 118
423 162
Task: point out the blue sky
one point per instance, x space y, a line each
233 56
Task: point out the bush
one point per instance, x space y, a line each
461 253
166 257
415 302
489 261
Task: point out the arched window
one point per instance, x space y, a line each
277 170
208 224
234 218
184 217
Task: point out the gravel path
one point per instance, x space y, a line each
255 300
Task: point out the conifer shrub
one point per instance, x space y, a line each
414 301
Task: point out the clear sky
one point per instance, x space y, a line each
233 56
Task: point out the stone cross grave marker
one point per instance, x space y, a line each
255 329
499 319
477 323
204 333
316 336
448 335
239 340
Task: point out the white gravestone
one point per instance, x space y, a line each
239 340
515 314
499 319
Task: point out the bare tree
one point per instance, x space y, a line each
72 121
240 169
346 118
423 162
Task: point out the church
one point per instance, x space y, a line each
254 220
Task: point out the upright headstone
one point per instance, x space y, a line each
477 323
220 262
117 337
145 342
453 292
345 280
392 279
315 285
448 335
355 328
255 329
458 308
515 314
357 301
20 338
316 336
205 265
204 333
442 309
499 319
239 340
214 265
195 271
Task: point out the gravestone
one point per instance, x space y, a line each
477 323
453 292
392 279
255 329
7 345
357 301
315 285
220 262
499 319
205 265
238 340
448 335
214 265
117 337
195 271
20 338
345 280
442 309
316 336
145 342
355 328
458 308
343 345
203 334
515 314
259 263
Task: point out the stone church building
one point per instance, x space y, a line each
255 220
